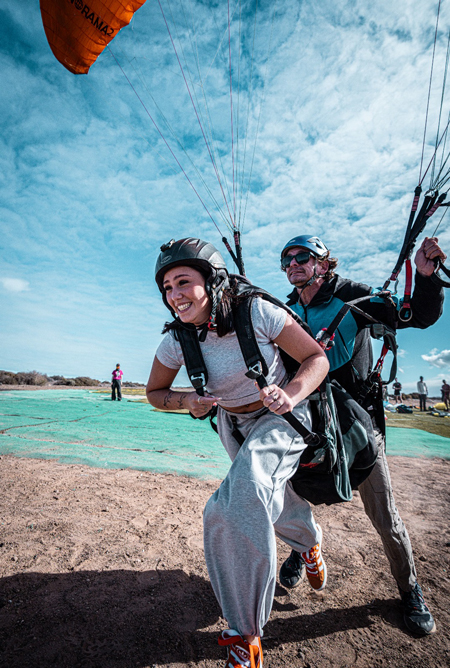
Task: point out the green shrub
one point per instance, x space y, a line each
86 381
23 378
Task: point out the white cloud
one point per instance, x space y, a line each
441 360
14 284
89 190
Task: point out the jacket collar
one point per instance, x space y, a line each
325 293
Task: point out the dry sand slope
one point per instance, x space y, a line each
105 569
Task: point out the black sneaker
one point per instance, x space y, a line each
416 615
293 571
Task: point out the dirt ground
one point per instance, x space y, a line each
104 568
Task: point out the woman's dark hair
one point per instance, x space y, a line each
224 318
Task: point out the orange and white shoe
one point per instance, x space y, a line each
240 653
316 569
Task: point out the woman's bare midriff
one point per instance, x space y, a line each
246 408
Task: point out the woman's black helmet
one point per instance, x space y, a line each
195 253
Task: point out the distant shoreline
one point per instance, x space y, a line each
408 401
105 386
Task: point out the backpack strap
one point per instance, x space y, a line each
256 364
193 358
243 326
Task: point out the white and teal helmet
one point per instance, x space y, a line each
313 244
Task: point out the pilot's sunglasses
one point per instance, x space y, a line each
300 258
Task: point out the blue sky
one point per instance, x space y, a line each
329 121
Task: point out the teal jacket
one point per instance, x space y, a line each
351 356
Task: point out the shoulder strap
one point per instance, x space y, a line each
254 360
378 330
243 326
256 364
326 334
193 358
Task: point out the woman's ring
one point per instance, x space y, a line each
275 396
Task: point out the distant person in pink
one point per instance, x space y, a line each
116 384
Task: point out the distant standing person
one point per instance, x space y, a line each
116 384
423 391
445 389
397 391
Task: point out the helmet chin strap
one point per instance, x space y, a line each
218 286
212 318
312 280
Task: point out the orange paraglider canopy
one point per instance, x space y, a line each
77 32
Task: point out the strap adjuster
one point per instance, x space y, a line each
255 371
198 380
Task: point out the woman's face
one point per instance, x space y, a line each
186 294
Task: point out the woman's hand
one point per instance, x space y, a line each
200 406
276 399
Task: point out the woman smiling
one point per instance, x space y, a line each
255 502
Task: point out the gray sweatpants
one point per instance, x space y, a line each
379 504
254 502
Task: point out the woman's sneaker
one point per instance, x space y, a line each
293 570
316 570
416 615
240 653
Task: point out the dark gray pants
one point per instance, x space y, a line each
379 504
116 386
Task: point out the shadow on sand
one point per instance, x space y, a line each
119 619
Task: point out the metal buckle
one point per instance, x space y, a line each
198 380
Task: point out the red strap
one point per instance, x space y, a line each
408 282
380 362
405 313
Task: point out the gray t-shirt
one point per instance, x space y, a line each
224 360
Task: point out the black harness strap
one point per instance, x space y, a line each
257 366
254 360
437 279
193 358
378 330
325 335
431 202
245 333
237 435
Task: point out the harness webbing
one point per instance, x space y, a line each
441 282
431 202
405 313
253 358
379 330
193 358
256 364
